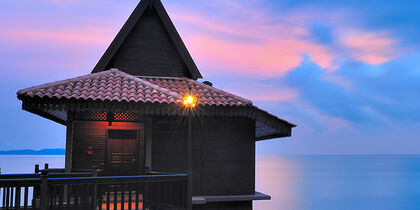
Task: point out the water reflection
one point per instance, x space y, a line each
339 182
279 178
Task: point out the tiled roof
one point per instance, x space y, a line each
206 95
115 85
111 85
53 100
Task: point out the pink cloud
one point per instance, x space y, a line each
248 40
260 26
253 43
241 39
269 58
262 50
369 47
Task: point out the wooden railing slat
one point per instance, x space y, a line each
137 188
60 197
83 196
69 191
100 193
17 199
129 197
11 197
115 197
122 196
169 193
7 197
107 197
157 195
79 197
25 198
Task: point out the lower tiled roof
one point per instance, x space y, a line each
115 85
116 91
111 85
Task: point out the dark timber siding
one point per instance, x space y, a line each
148 50
223 153
92 133
169 145
228 156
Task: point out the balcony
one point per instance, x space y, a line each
83 190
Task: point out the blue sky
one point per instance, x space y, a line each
347 73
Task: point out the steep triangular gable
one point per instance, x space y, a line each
149 45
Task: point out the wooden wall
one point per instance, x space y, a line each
148 50
93 133
223 153
169 145
227 156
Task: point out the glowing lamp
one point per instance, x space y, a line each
190 100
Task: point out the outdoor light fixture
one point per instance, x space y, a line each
190 100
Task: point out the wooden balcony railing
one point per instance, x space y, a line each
64 191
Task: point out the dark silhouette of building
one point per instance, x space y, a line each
127 116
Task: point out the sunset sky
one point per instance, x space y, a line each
347 73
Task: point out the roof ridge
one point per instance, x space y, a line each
159 77
147 83
216 89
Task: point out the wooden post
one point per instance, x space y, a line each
36 168
95 189
189 181
36 190
46 166
69 151
148 144
69 141
44 190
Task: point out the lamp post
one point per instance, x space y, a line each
189 102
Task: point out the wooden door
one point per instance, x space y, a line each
122 152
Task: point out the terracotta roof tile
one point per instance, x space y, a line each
206 95
115 85
112 85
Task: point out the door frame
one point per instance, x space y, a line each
140 142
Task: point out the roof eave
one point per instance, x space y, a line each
273 136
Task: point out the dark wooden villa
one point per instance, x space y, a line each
127 121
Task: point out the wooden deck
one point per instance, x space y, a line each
74 191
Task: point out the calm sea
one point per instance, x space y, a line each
325 182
